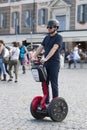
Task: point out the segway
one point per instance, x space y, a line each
57 109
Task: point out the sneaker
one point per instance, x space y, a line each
23 72
9 80
74 66
3 80
11 76
15 81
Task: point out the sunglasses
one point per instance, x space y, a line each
50 27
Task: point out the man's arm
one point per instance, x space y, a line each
38 51
51 53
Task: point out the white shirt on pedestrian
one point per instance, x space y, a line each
15 51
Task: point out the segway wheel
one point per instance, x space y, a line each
35 114
58 109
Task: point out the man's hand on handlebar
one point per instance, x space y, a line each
43 60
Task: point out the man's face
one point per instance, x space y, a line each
51 29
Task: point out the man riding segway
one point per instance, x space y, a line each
52 44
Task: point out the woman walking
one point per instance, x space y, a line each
14 59
2 65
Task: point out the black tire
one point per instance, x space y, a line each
35 114
58 109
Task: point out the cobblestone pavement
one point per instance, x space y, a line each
15 99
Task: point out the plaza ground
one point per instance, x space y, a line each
15 100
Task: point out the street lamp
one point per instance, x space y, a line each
31 30
16 22
16 28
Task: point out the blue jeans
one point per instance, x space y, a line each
22 61
76 61
2 66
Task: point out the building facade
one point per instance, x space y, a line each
29 17
19 16
23 16
72 16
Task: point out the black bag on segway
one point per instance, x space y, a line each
39 73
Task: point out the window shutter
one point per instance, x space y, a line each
5 20
24 18
13 22
0 20
46 16
85 13
78 13
39 17
82 13
32 17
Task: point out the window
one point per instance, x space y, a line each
28 18
42 16
3 19
82 13
15 21
3 1
62 21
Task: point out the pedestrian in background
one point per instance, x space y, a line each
62 59
76 56
23 52
14 60
70 58
2 65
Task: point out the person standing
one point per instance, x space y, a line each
23 51
51 45
76 56
62 59
70 58
6 58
